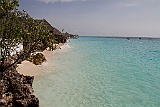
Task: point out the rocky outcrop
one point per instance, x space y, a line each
37 59
16 90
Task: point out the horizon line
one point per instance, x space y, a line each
133 37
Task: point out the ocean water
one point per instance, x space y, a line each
102 72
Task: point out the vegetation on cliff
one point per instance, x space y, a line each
18 28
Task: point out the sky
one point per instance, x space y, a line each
136 18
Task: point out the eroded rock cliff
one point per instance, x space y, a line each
16 90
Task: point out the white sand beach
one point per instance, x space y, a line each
28 68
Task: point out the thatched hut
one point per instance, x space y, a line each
57 35
51 29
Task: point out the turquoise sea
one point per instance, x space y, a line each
102 72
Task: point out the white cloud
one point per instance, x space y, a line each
128 4
62 1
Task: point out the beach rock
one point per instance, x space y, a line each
16 90
37 59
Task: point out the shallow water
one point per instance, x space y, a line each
102 72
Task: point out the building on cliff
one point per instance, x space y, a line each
56 34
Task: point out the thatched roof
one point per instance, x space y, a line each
50 27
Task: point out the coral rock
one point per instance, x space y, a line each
16 90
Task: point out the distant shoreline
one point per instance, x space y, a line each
122 37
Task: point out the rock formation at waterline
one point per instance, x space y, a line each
37 59
16 90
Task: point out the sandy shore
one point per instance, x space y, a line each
28 68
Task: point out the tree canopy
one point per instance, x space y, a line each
18 29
